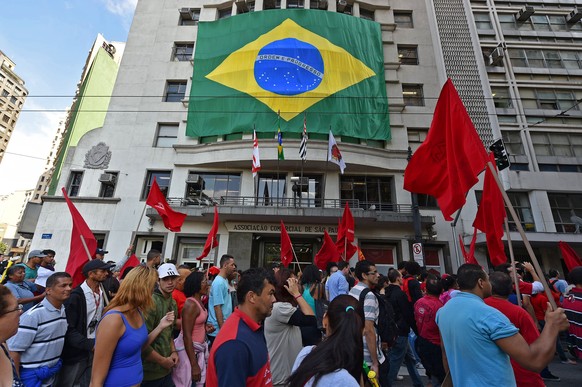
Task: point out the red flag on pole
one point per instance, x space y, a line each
327 253
132 261
447 163
469 255
173 220
571 259
286 247
491 217
78 255
211 241
346 234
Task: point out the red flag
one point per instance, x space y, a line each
78 256
491 217
132 261
327 253
361 256
173 220
469 255
211 241
447 163
346 225
571 259
286 247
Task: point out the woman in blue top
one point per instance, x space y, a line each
21 289
122 332
338 360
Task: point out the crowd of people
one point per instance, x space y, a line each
161 325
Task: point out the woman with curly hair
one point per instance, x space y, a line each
339 359
122 332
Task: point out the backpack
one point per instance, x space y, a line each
386 327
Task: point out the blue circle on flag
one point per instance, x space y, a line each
289 67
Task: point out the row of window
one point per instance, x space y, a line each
535 22
545 99
536 58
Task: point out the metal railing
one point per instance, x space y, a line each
250 201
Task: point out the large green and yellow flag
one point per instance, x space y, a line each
328 65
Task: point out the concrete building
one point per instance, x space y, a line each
12 208
151 132
12 97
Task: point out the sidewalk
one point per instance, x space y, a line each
570 375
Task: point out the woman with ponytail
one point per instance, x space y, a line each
337 360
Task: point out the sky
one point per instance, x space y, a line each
49 41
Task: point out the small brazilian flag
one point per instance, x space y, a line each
280 154
258 67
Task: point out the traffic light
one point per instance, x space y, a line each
501 155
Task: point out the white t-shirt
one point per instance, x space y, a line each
95 306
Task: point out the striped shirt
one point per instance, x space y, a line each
371 313
41 335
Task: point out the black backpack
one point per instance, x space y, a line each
386 327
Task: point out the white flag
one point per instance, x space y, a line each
256 158
333 153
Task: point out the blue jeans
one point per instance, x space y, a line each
399 353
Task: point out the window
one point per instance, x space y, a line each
416 136
74 183
209 188
412 95
408 55
36 196
564 207
427 201
272 190
163 179
183 52
13 100
513 143
482 21
367 14
295 4
167 135
403 19
501 97
108 186
6 118
368 191
379 253
191 248
224 13
189 18
549 99
175 91
5 93
557 144
309 193
520 202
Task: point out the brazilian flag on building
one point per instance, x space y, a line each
250 67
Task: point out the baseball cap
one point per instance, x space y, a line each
213 270
101 251
167 270
96 264
36 253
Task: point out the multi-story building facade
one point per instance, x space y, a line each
12 97
12 208
156 129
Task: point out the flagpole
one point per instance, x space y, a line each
278 129
296 259
105 298
454 231
302 162
325 172
528 247
134 236
513 271
255 177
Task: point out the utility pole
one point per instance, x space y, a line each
417 248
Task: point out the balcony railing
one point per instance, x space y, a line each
249 201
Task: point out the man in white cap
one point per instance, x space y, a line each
160 357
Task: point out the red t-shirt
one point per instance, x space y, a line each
525 287
180 299
539 302
425 311
523 321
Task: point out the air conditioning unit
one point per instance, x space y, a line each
524 13
107 178
341 5
496 56
193 178
574 16
187 13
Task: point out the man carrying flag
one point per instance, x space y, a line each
173 220
333 153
